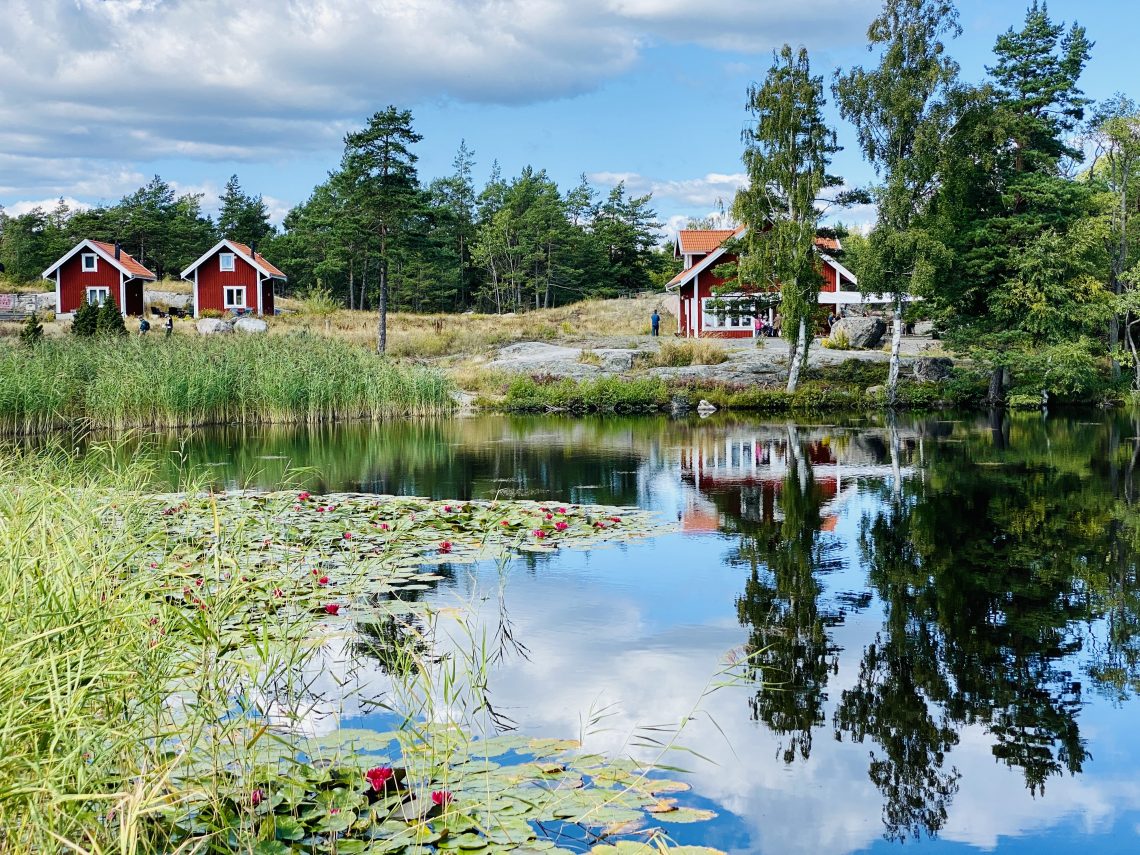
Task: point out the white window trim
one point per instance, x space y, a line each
226 289
94 268
95 289
223 257
712 321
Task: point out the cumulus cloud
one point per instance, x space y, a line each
127 80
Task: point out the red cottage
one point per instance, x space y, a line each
96 271
233 277
703 250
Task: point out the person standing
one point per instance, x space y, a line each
144 326
757 326
169 325
655 322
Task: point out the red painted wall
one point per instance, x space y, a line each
73 282
212 281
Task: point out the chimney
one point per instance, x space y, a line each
253 248
118 250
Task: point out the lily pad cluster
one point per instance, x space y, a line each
505 794
288 555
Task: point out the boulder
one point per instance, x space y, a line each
704 408
932 369
251 325
214 326
615 359
679 405
860 332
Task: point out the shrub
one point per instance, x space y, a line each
110 319
837 341
33 331
216 314
86 320
320 302
603 394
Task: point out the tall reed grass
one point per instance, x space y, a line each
181 382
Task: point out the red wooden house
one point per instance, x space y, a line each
703 250
95 271
233 277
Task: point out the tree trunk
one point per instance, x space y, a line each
896 346
351 285
996 396
798 358
382 335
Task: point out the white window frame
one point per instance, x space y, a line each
714 321
96 289
227 262
226 297
94 259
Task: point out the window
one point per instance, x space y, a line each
98 296
226 261
235 297
90 262
724 313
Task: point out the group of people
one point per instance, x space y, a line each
167 325
762 327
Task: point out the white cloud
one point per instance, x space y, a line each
126 80
18 209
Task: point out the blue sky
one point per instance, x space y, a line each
101 94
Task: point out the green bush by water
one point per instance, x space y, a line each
604 394
153 382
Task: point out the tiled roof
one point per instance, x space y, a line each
703 240
827 244
261 259
125 259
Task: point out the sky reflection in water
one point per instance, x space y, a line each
950 610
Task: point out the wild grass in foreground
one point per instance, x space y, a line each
159 661
133 382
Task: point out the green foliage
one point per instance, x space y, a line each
153 382
86 320
603 394
110 320
787 153
33 331
242 217
319 301
689 352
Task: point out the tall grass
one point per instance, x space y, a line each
123 383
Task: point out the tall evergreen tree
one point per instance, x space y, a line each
786 154
382 168
243 217
85 321
902 111
109 320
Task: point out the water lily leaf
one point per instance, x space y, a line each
686 814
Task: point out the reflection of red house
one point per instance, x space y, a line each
233 277
95 271
703 250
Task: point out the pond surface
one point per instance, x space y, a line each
945 612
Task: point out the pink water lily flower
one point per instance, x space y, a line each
324 580
348 535
303 496
445 547
333 609
539 533
379 777
256 797
441 798
561 526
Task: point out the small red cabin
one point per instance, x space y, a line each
704 249
233 277
95 271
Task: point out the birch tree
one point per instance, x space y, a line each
901 111
787 150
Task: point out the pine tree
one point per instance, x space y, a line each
786 155
381 166
242 217
86 320
110 319
33 331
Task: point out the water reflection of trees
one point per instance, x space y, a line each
1006 571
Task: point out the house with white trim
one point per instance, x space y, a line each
94 271
233 277
704 311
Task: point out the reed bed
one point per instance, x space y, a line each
187 382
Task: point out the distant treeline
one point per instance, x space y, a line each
445 245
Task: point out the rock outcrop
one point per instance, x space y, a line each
251 325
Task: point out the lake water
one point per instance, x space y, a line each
945 612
